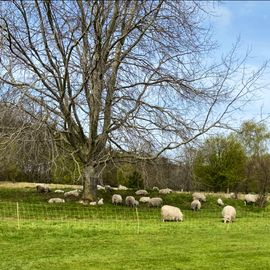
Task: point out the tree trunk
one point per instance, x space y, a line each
89 184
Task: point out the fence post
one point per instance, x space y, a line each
18 215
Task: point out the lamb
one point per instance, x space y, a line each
228 214
144 199
136 203
250 198
199 196
165 191
56 200
130 201
117 199
220 202
141 192
42 189
196 205
73 193
171 213
155 202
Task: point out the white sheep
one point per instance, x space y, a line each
155 202
228 214
171 213
220 202
250 198
73 193
195 205
165 191
93 203
99 187
130 201
155 189
120 187
59 191
136 203
117 199
100 202
144 199
199 196
56 200
141 192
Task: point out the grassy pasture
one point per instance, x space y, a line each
73 236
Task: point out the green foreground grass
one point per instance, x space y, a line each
73 236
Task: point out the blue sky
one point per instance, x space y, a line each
251 21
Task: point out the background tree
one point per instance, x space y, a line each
128 75
255 139
220 163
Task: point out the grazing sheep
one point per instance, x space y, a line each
141 192
56 200
228 214
155 189
130 201
100 202
155 202
196 205
117 199
250 198
220 202
59 191
120 187
165 191
171 213
42 189
199 196
73 193
144 199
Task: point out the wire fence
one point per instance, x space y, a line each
117 218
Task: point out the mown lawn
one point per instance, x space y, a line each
77 237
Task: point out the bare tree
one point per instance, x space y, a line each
127 75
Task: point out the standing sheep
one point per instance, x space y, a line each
155 202
220 202
171 213
250 198
130 201
117 199
228 214
196 205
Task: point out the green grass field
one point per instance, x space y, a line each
40 236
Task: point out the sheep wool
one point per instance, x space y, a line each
196 205
220 202
117 199
144 199
250 198
73 193
130 201
141 192
155 202
56 200
171 213
228 214
165 191
199 196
